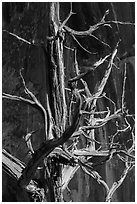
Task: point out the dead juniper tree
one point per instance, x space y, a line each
73 117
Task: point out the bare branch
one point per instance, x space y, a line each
96 26
68 17
107 73
34 101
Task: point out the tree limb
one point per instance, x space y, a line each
48 146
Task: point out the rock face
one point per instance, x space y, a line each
31 21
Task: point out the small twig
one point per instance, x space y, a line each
70 108
27 139
110 101
76 62
100 41
93 140
124 88
29 135
93 67
102 123
69 48
28 142
115 66
78 77
17 98
102 112
126 153
124 130
112 140
122 158
16 36
133 136
88 112
119 22
87 91
92 53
